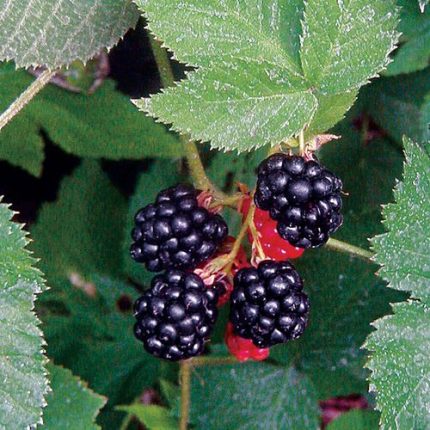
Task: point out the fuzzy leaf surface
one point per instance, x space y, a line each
260 80
23 381
55 33
402 252
400 366
229 397
71 404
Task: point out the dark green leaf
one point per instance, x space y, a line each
71 404
355 420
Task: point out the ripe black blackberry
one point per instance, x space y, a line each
302 196
268 305
175 232
176 315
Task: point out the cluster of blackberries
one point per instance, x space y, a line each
176 315
302 196
299 205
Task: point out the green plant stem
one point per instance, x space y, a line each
213 361
37 85
126 422
355 251
185 379
167 78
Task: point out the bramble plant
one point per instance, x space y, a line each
219 203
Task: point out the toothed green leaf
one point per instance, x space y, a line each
54 33
23 382
257 81
71 404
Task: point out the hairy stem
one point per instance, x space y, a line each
41 81
185 379
346 248
167 78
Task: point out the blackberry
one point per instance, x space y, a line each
175 232
302 196
268 305
176 315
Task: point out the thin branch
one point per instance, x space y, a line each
346 248
41 81
205 360
167 78
185 379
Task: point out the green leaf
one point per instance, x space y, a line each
255 83
80 233
414 52
53 34
401 368
399 360
356 419
153 417
162 174
346 42
253 396
23 381
402 252
90 331
409 98
71 404
84 125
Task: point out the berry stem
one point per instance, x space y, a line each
185 379
355 251
302 144
25 97
213 361
192 155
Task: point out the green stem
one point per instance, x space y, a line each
213 361
185 379
38 84
355 251
167 78
126 422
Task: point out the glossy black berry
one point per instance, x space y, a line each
174 232
302 196
176 315
268 305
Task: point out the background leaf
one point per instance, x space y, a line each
154 417
23 383
53 34
71 405
253 396
357 419
261 87
400 345
84 125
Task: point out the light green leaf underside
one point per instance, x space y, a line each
54 33
258 82
346 42
23 382
84 125
403 252
356 419
153 417
401 367
253 396
71 404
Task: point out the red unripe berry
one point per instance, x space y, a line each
243 349
273 245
